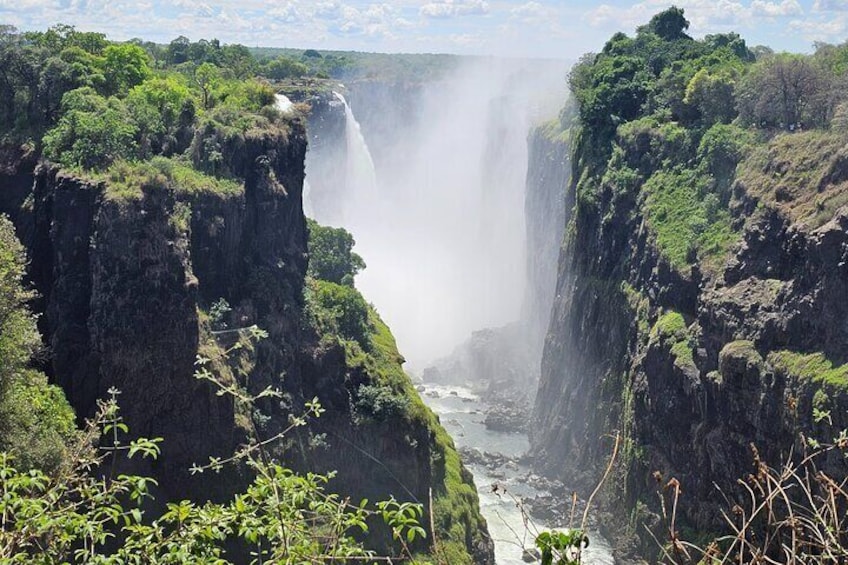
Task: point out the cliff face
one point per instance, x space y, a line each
692 366
126 281
547 202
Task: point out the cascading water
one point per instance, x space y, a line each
283 104
308 208
360 196
435 201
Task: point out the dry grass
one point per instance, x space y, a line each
794 514
804 175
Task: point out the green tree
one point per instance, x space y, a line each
284 67
92 133
207 77
342 311
177 51
36 422
712 93
331 256
669 25
125 65
163 109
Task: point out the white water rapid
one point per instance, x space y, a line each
461 413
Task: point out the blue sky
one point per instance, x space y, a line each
500 27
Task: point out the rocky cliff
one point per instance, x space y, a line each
128 268
692 365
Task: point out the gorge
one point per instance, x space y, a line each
625 279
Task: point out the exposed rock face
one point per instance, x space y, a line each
690 368
124 282
547 201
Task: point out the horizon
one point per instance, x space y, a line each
500 28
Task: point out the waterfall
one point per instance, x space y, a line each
360 194
435 198
283 104
308 209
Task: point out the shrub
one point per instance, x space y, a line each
331 256
342 310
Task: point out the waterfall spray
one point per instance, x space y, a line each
435 198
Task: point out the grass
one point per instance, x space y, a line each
670 325
671 329
799 174
126 180
688 227
811 366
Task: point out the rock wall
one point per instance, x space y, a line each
125 284
690 368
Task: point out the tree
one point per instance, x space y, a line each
284 67
177 52
669 25
786 91
92 133
162 108
238 60
712 92
125 66
331 256
342 310
36 421
207 77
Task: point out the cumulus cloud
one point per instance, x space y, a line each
452 8
831 29
830 6
773 9
704 15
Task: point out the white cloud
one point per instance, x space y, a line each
774 9
832 29
830 5
451 8
705 16
528 9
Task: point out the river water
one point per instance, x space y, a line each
461 413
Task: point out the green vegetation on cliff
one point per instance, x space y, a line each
664 120
174 185
814 367
340 313
36 422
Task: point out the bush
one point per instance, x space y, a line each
92 133
331 256
36 421
380 402
342 310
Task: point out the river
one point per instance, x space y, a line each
461 413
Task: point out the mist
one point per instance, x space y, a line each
431 184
